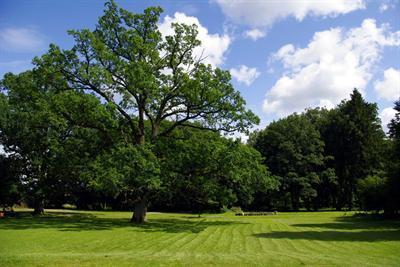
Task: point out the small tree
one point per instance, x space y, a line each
371 193
30 131
52 132
148 77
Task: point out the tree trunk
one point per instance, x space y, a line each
140 138
38 207
139 215
154 132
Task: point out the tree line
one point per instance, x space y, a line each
338 158
130 119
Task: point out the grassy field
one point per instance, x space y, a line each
80 238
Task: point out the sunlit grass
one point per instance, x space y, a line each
81 238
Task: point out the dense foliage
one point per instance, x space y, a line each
337 158
202 169
130 119
148 78
354 138
294 152
393 192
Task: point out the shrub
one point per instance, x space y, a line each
371 193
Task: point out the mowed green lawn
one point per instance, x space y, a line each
81 238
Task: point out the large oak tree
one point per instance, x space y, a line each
149 77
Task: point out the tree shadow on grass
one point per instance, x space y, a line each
365 228
356 222
77 221
360 236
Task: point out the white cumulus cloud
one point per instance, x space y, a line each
326 71
21 40
254 34
245 74
386 116
265 13
213 46
389 87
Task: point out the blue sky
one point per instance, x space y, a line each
284 56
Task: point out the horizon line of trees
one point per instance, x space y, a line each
64 147
338 158
130 119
